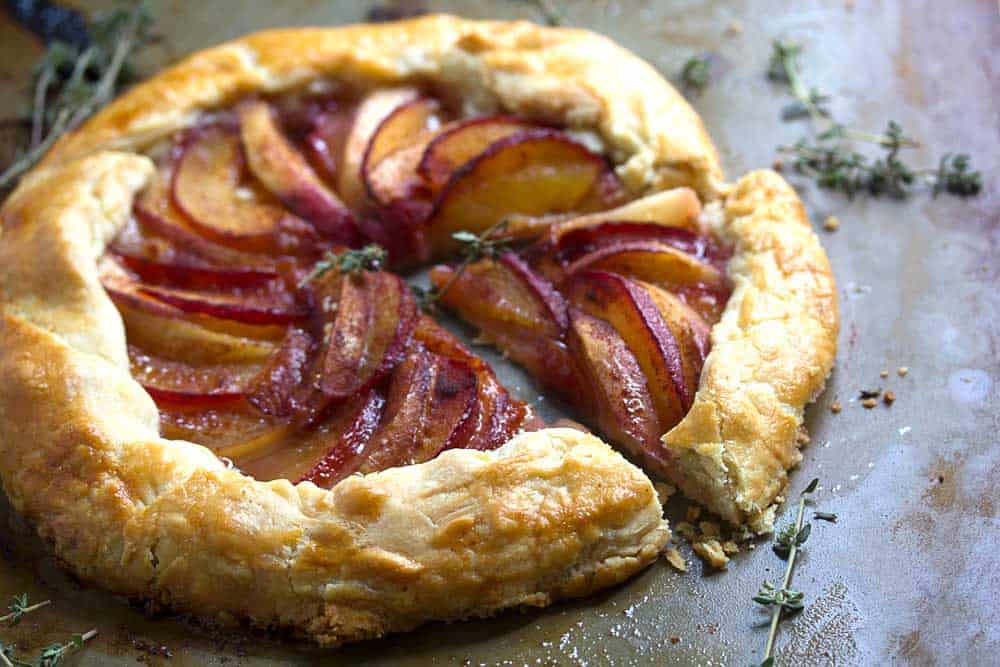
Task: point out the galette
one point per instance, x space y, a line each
222 392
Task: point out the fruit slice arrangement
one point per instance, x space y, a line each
311 375
612 312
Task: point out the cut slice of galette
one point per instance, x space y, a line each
221 393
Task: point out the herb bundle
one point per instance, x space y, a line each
370 258
72 81
831 160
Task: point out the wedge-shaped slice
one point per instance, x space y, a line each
690 331
370 113
285 172
653 262
326 140
628 307
531 173
163 330
190 274
618 400
431 406
407 128
581 241
679 207
323 454
158 216
505 292
265 308
211 188
463 141
368 333
274 390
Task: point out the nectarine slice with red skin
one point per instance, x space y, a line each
463 141
344 457
326 141
690 331
369 114
534 172
211 188
389 165
501 293
629 308
187 274
431 405
285 172
274 389
270 308
619 398
368 334
653 262
679 207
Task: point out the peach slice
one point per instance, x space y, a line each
430 406
210 187
630 309
158 216
690 331
284 171
620 401
653 262
368 334
678 207
531 173
370 113
164 330
461 142
505 292
326 140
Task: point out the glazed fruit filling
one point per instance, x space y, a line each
309 375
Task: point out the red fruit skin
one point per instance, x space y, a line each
192 276
344 458
273 391
265 310
194 399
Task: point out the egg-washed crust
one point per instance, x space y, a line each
771 354
550 514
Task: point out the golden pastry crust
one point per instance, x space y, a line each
771 353
551 514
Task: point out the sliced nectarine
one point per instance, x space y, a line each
267 308
679 207
370 113
326 140
630 309
653 262
190 274
690 331
274 389
285 173
530 173
461 142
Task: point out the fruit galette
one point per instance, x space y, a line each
221 392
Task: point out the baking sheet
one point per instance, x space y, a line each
909 571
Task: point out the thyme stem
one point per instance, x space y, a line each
25 610
778 609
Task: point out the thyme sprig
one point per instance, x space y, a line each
696 73
830 158
18 607
372 257
50 656
71 83
785 599
486 245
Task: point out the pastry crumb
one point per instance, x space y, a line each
832 223
835 407
869 403
676 560
729 547
883 373
778 164
664 491
686 530
734 28
902 370
711 552
889 397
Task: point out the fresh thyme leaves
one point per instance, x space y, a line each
18 607
830 158
72 82
54 654
370 258
485 245
869 393
51 655
785 599
696 72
